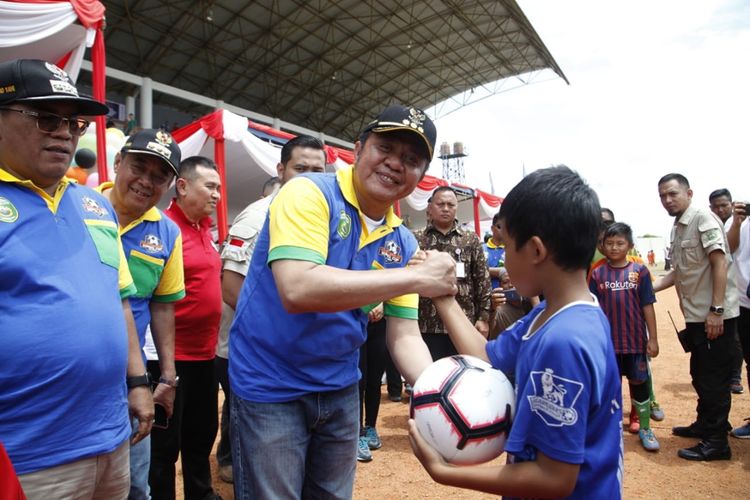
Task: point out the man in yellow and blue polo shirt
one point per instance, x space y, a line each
330 250
71 367
145 167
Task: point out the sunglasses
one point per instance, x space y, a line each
50 122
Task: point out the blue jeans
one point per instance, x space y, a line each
305 448
140 462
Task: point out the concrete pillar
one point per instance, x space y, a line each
130 105
147 117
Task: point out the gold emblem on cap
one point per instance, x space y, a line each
416 119
163 138
57 72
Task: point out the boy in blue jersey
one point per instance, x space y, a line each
627 297
566 439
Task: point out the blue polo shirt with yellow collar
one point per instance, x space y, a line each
153 248
277 356
495 255
64 358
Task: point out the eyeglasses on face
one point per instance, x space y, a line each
50 122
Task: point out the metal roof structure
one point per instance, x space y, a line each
325 65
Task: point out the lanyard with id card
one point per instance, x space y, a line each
460 268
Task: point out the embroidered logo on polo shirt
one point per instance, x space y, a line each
151 244
93 206
344 227
391 252
554 398
8 211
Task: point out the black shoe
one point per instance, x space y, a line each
394 397
690 431
707 451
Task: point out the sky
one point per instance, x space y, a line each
655 87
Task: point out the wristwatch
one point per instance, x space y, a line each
719 310
169 382
138 381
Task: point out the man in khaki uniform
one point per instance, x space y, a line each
703 274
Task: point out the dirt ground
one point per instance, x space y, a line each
394 473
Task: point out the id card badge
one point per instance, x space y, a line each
460 270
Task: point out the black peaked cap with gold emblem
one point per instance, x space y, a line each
411 119
155 142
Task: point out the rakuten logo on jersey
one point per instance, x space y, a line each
618 285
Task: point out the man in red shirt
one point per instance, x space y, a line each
192 429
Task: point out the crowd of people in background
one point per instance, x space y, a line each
130 318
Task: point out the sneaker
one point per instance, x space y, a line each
736 388
396 398
635 422
373 440
363 450
648 440
656 412
225 473
742 432
407 389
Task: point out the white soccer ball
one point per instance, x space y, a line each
464 408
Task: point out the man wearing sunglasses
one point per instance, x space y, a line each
71 364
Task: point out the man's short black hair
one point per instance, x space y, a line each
556 205
719 193
301 141
440 189
189 165
619 229
495 218
270 184
609 212
681 179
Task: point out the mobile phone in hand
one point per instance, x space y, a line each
160 417
511 295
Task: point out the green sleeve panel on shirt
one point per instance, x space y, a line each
146 272
295 253
400 311
106 242
369 307
128 291
172 297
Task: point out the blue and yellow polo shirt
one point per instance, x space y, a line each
495 255
153 248
65 345
277 356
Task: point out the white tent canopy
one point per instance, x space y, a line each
249 161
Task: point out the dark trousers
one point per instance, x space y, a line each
711 364
372 365
224 449
439 344
392 375
743 341
191 433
